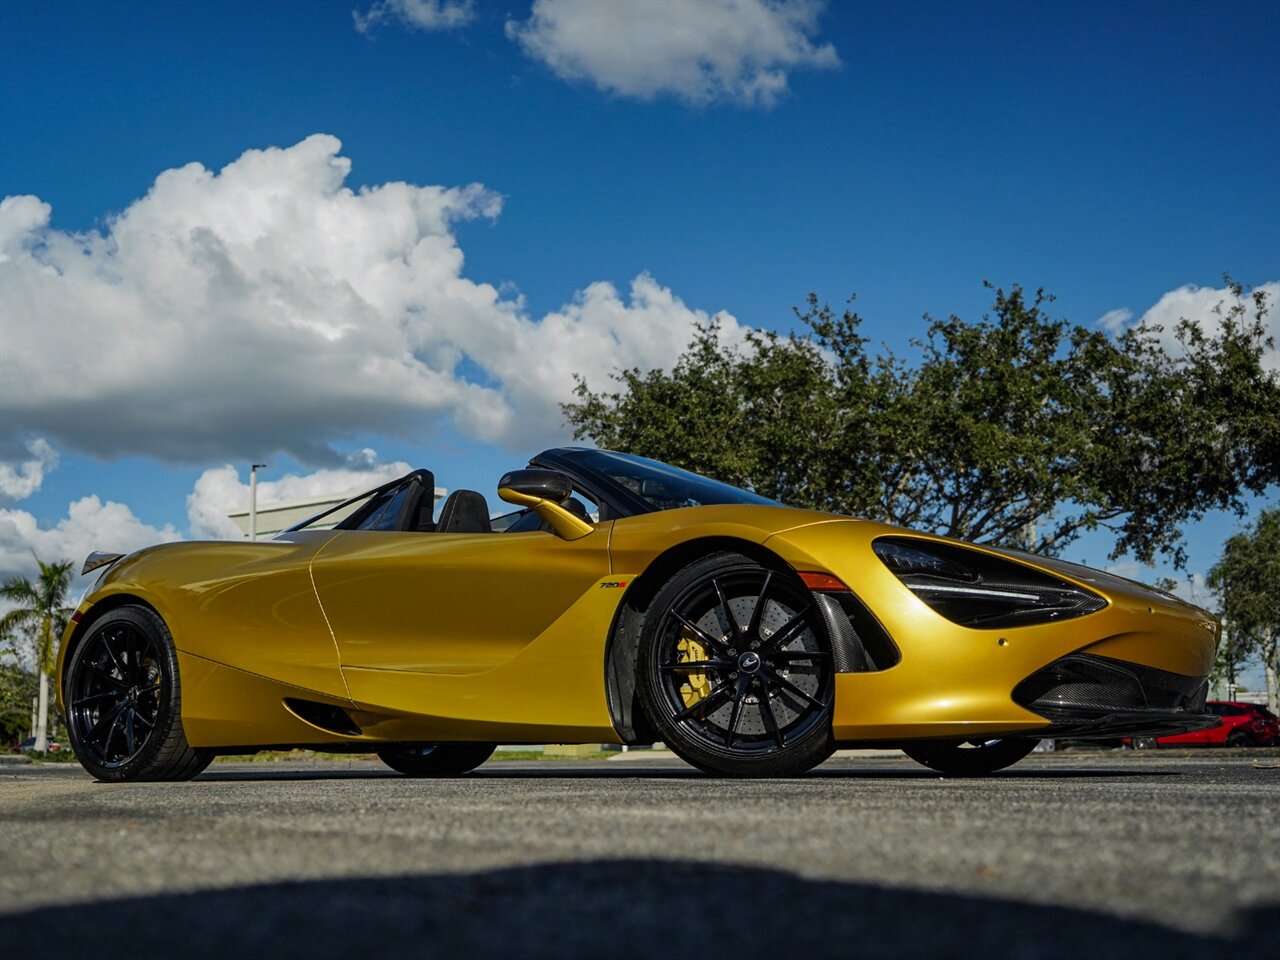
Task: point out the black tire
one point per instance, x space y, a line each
1144 743
124 701
762 707
436 759
1238 738
968 758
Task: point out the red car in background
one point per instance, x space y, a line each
1243 725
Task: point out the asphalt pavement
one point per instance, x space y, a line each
1097 854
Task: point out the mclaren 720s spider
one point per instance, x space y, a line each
624 601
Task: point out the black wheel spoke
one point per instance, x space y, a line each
790 687
786 633
766 711
111 733
701 635
114 659
753 628
715 696
148 722
109 678
104 720
735 632
93 697
697 665
128 731
739 697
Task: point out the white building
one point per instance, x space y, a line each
276 517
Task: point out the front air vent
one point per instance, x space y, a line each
323 715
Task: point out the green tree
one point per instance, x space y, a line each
1019 429
17 687
40 610
1248 580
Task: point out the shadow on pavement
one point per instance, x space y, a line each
627 908
650 770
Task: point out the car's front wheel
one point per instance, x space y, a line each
969 758
735 669
436 759
124 701
1239 738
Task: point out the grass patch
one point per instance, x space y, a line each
65 755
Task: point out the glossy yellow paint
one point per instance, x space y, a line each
473 629
428 636
246 605
954 680
565 524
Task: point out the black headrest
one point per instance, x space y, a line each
464 511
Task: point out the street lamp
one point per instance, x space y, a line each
253 500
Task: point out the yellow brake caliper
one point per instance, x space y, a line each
696 685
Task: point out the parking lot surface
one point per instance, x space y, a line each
1098 854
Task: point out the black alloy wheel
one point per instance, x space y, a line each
968 758
436 759
123 701
735 669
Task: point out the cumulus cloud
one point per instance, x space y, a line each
1204 307
20 480
417 14
701 51
1114 321
267 306
89 525
220 491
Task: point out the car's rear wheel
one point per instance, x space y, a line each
735 669
124 701
436 759
969 758
1239 738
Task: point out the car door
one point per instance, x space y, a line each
439 624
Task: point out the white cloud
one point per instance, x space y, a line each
1114 321
89 525
701 51
269 307
1204 307
20 480
1199 305
220 491
418 14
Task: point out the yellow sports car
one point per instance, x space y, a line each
625 601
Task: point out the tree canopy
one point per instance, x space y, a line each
1248 580
1020 428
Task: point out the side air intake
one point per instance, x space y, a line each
323 715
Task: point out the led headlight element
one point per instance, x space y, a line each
979 590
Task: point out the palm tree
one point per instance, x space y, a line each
41 611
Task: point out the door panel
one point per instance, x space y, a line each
432 606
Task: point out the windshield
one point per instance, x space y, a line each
664 487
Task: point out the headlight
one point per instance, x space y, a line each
979 590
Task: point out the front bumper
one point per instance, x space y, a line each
1086 696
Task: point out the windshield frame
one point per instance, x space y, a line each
576 463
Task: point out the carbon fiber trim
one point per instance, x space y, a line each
859 643
1086 695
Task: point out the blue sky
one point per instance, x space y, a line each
1112 153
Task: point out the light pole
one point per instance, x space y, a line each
253 500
